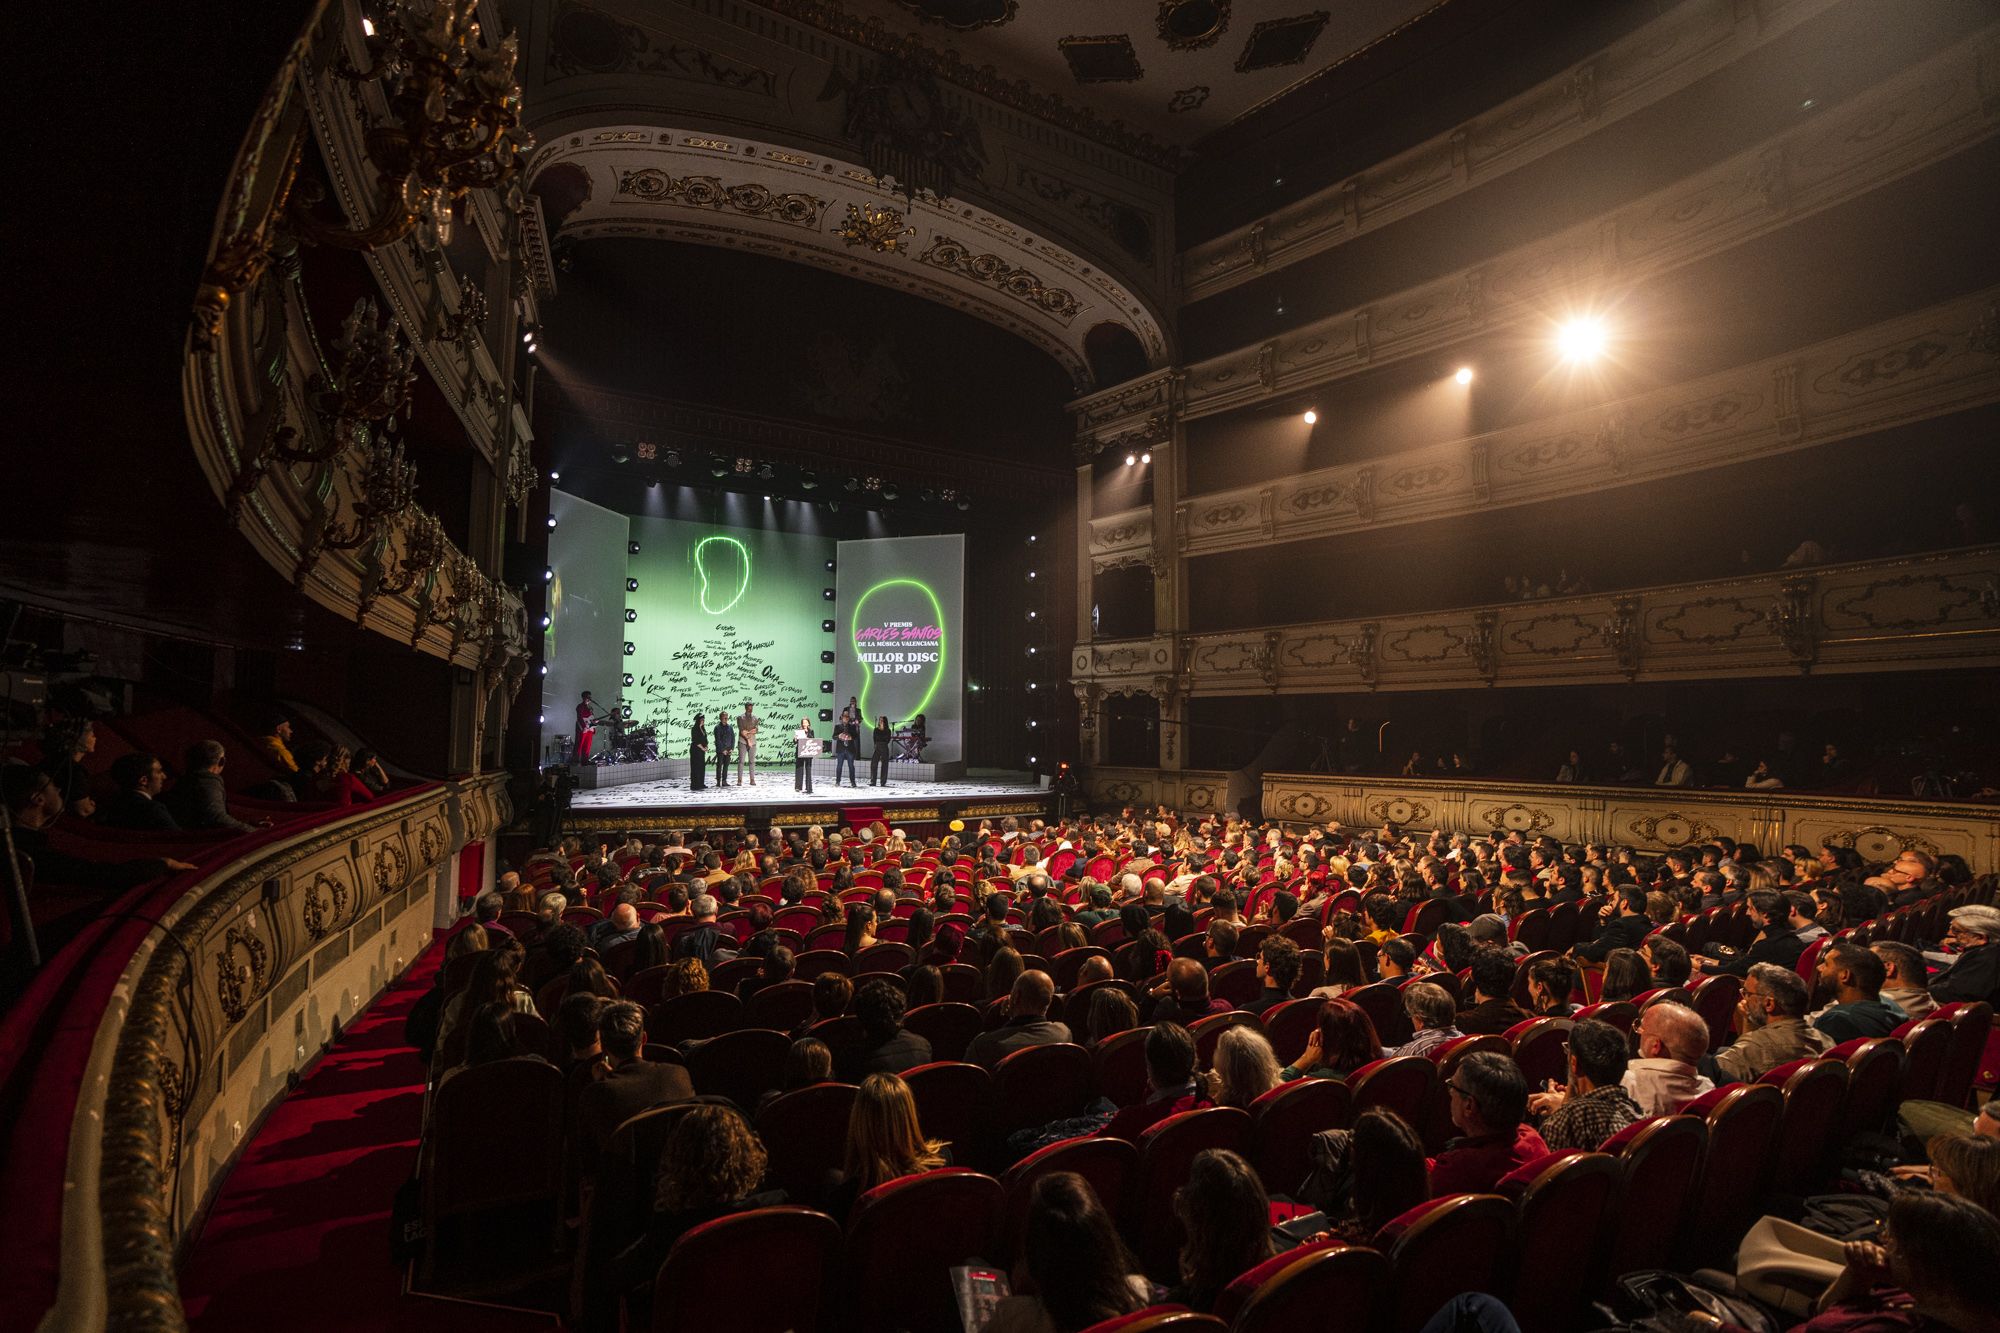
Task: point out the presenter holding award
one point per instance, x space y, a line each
746 744
807 747
698 754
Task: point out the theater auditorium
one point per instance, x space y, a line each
1003 666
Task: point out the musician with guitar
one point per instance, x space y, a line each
586 728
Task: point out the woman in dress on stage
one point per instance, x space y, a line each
698 754
878 758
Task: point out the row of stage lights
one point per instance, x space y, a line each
1578 341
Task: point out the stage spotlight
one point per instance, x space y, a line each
631 585
1146 458
548 573
808 482
630 647
621 455
1130 459
527 335
1031 615
1031 759
625 711
631 615
628 680
1031 684
1581 339
545 668
652 483
673 458
555 476
853 483
829 565
927 495
826 715
889 492
1031 573
718 469
1464 375
826 626
826 656
1031 536
631 548
531 349
765 472
1031 652
546 622
1312 417
964 505
541 717
552 520
826 687
1033 723
826 593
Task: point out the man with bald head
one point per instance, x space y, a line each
1182 997
622 925
1672 1040
1027 1024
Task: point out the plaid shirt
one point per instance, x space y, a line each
1587 1121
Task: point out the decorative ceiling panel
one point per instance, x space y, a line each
1174 70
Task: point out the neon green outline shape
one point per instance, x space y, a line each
868 674
703 571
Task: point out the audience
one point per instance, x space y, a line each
1594 1105
1077 1271
140 778
1493 988
1343 1041
1226 1218
1770 1025
1027 1024
1433 1016
884 1143
1171 1085
1244 1068
887 1047
627 1083
1489 1102
1853 975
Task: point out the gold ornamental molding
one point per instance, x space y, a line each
748 194
1924 114
1913 368
200 1022
1665 57
1648 819
1929 611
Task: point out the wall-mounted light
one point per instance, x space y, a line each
631 615
631 548
628 680
552 520
631 585
630 648
826 627
1312 417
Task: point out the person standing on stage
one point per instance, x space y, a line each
746 744
878 758
698 754
807 747
586 728
725 749
846 744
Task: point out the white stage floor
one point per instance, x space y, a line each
776 789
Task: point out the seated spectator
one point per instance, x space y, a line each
1218 943
1776 941
1594 1105
1002 971
885 1142
1171 1084
1493 990
588 977
887 1047
576 1030
1763 777
65 745
489 1038
1668 962
1027 1022
1770 1027
620 926
1550 984
332 767
1078 1271
492 981
860 929
1932 1270
1625 976
1277 970
628 1083
1378 1172
1226 1218
1182 997
1910 878
1099 910
649 949
1854 975
550 907
1244 1068
1975 973
1343 1041
1489 1102
926 986
1624 925
1672 1041
34 803
276 740
1343 970
1111 1012
684 977
368 768
808 1061
553 955
711 1167
832 993
1905 978
140 779
706 940
1433 1016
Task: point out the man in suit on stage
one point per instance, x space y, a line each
746 744
725 749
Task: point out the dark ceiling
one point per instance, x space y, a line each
706 325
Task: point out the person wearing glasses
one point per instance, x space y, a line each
1975 973
1489 1105
1594 1106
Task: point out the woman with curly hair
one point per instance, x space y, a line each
1227 1219
710 1168
1244 1068
684 978
64 747
885 1142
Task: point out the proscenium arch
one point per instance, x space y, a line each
725 190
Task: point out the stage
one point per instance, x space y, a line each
906 802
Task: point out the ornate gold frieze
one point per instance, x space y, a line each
651 185
878 227
1024 286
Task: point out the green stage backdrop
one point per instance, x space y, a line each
722 615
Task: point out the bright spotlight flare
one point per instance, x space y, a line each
1582 338
1464 375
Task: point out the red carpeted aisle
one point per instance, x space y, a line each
299 1235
